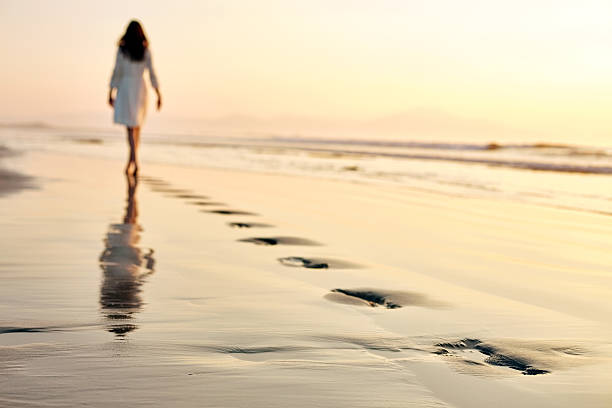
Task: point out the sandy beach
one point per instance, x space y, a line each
216 287
329 204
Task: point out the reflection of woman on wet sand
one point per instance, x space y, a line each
125 267
130 101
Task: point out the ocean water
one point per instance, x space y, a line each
567 176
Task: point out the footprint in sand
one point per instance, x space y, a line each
317 263
280 241
390 299
241 225
231 212
297 261
192 196
170 191
152 180
206 203
528 357
161 186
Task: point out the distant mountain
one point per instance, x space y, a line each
415 122
434 122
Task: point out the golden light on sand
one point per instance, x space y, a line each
341 203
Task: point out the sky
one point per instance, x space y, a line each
534 67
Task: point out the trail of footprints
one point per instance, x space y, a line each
388 299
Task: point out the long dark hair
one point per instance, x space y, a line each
134 42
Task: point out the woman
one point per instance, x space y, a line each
130 101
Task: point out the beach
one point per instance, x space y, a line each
208 286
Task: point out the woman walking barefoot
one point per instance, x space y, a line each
130 100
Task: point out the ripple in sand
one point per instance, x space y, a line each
390 299
268 241
254 349
6 330
373 343
528 357
257 353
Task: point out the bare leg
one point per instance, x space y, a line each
136 133
132 156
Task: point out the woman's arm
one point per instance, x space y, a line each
111 99
159 98
153 78
115 78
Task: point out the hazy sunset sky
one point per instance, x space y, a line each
538 65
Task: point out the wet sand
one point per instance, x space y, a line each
201 287
12 181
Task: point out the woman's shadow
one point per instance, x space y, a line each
125 267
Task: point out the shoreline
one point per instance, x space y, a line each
417 168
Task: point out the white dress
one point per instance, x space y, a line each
128 79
